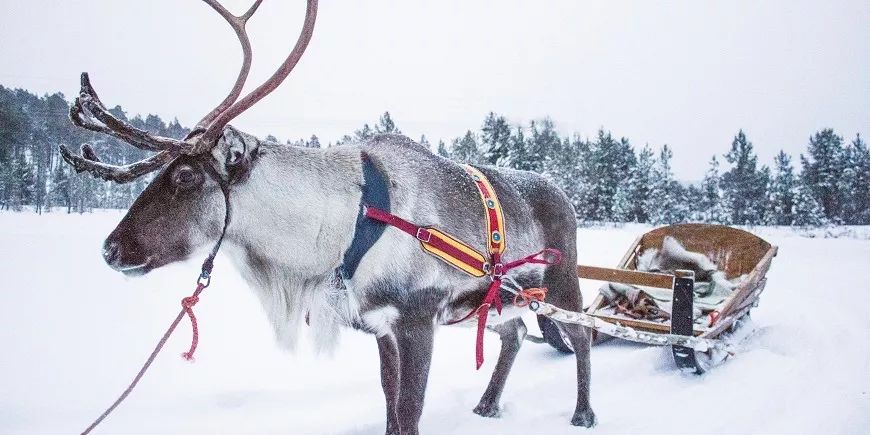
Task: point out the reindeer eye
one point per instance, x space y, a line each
186 177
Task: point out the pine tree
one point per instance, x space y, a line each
314 142
542 144
386 125
582 181
855 183
363 134
667 202
641 182
442 150
611 162
495 139
556 164
61 191
466 150
425 142
517 155
22 182
623 209
744 185
782 192
808 211
822 168
711 206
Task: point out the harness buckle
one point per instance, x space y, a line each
424 235
497 270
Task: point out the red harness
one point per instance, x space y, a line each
462 256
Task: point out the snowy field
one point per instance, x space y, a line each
73 333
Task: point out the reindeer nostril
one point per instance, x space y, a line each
110 252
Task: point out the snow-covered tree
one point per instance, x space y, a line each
711 207
609 164
808 211
386 125
425 142
517 155
783 189
314 142
745 185
495 139
822 169
542 145
363 134
623 208
442 150
466 149
855 183
667 203
640 185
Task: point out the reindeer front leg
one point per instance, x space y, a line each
414 337
390 379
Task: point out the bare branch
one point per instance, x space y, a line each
216 127
118 174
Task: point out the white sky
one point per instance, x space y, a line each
687 73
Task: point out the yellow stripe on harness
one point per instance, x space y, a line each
464 266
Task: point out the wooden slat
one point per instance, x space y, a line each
657 280
747 287
724 323
643 325
627 259
629 256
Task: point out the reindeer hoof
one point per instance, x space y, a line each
585 418
490 410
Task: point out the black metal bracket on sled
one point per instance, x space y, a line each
682 319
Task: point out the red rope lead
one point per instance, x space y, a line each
187 305
186 308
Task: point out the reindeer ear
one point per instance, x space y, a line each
235 150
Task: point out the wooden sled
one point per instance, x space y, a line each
736 252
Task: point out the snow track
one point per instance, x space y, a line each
73 333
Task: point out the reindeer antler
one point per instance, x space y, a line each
216 127
89 112
238 25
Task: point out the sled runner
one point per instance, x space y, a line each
664 292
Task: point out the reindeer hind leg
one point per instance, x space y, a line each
512 334
565 293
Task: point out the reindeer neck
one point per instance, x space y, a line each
297 210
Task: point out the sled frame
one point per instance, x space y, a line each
736 305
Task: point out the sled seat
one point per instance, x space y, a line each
735 252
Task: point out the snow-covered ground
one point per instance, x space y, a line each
73 333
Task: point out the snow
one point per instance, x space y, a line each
73 334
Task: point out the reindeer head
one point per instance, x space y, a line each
183 207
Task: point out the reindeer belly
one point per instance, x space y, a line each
465 304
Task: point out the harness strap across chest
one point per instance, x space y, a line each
462 256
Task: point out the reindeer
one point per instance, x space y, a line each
296 212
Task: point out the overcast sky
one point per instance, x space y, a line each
687 73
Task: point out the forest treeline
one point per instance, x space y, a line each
607 178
